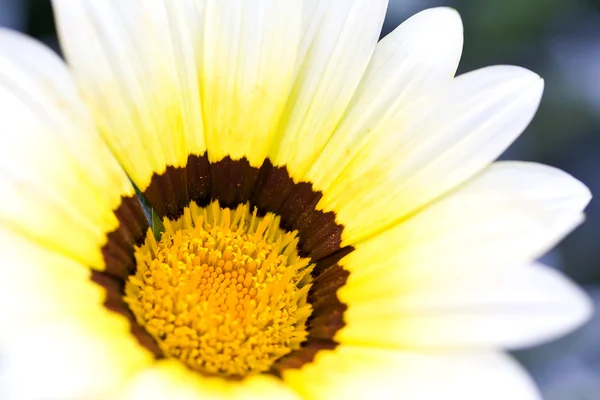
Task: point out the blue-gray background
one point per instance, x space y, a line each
560 40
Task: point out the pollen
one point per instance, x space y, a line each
223 290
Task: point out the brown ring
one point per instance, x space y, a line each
234 182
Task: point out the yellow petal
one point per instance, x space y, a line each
59 182
137 65
172 380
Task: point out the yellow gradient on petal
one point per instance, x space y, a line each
462 262
510 306
171 379
429 148
349 373
74 356
250 51
419 55
57 327
332 59
358 373
39 286
137 65
511 214
59 182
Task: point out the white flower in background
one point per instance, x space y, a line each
327 222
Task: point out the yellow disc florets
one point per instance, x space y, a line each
223 290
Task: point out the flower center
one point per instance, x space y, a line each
223 290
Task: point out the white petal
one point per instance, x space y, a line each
512 213
59 182
339 37
72 358
552 188
420 55
511 307
350 372
431 147
463 248
136 63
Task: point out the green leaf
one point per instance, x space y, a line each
157 225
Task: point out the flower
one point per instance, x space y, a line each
327 221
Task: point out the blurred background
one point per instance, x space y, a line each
560 40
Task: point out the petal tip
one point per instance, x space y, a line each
445 19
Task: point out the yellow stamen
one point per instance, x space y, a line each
223 290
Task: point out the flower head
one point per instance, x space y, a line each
326 217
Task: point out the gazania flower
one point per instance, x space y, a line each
327 221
